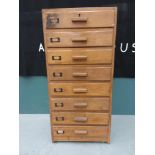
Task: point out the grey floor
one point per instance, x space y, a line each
35 138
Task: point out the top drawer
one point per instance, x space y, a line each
79 17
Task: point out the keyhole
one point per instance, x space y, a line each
79 14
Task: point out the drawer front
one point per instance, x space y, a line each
80 118
79 18
80 104
80 89
80 56
80 131
79 73
80 38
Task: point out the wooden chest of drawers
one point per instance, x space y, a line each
80 45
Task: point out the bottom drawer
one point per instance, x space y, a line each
80 133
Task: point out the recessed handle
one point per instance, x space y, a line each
79 19
81 132
78 74
80 119
80 90
80 105
80 57
79 39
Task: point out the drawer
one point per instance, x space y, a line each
92 55
76 133
80 37
79 89
80 118
79 73
78 18
80 104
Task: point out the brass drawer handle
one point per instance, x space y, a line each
80 90
80 105
79 74
79 19
80 119
81 132
79 57
79 39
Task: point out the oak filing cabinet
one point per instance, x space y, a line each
80 45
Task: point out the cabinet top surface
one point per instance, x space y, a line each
79 9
